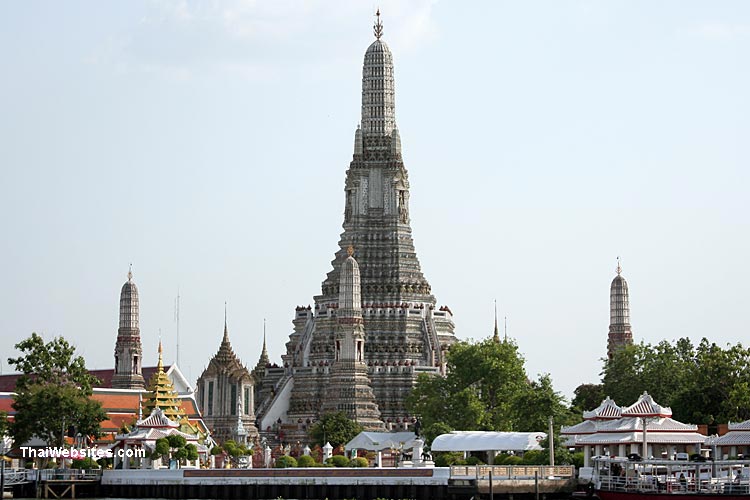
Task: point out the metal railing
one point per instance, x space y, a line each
17 476
500 472
70 474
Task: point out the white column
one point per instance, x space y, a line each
587 455
126 463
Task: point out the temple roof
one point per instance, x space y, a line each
608 409
646 407
226 361
157 419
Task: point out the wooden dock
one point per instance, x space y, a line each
67 483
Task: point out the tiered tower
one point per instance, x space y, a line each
406 334
161 394
349 387
226 394
620 333
128 353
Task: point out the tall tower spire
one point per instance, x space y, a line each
620 333
128 350
349 388
378 94
405 333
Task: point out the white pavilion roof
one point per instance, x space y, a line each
585 427
733 438
637 437
606 410
740 426
157 419
486 441
601 426
377 441
626 424
646 407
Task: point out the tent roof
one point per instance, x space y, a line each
485 441
376 441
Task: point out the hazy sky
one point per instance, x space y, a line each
206 143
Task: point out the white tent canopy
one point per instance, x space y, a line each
377 441
488 441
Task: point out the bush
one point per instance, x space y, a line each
305 461
500 458
176 441
338 461
446 459
577 459
86 463
359 462
534 457
513 460
474 461
216 450
285 461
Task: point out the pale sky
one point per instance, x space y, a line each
207 142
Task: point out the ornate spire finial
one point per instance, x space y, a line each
619 267
378 26
226 330
496 335
350 251
130 272
506 328
160 364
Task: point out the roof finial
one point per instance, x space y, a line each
350 251
496 335
226 330
130 272
506 328
619 267
378 26
160 364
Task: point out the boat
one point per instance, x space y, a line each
623 478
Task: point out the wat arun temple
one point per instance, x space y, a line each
375 300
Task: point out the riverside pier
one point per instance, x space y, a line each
455 483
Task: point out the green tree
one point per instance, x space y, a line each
53 393
486 389
705 384
176 441
538 402
335 428
192 451
161 449
622 378
587 397
4 424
